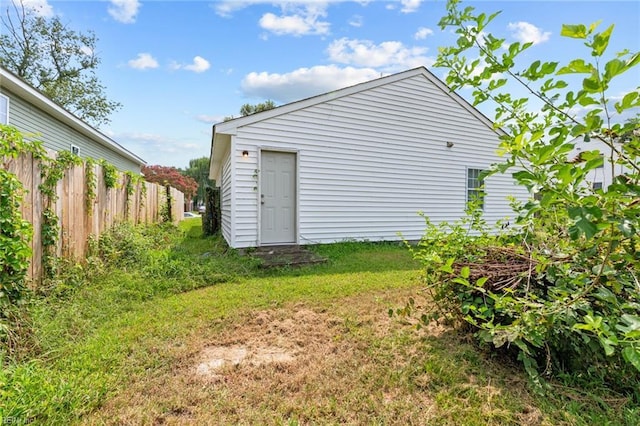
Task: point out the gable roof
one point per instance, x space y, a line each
230 127
35 97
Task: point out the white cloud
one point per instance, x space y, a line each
198 65
303 82
388 55
226 8
300 21
422 33
124 11
210 119
356 21
410 6
160 149
39 7
144 61
525 32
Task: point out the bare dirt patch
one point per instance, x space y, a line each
265 339
347 363
298 362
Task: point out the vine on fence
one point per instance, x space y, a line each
90 177
110 174
132 181
15 232
52 171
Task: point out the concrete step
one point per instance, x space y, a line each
286 255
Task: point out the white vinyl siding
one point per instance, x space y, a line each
225 202
4 109
370 161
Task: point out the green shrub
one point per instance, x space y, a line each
562 290
15 232
128 245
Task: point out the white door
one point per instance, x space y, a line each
278 198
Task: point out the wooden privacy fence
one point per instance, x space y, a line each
79 219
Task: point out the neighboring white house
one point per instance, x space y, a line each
31 112
356 163
601 177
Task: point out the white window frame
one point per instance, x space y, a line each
75 149
5 113
478 189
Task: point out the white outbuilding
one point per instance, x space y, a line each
358 163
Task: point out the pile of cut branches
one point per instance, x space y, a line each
504 267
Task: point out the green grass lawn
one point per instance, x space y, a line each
123 346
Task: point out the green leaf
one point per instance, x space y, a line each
585 100
480 282
607 345
465 272
583 225
632 323
577 66
632 356
592 84
564 173
630 100
627 229
574 31
446 268
601 41
594 163
549 67
613 68
461 281
587 227
524 176
606 295
633 61
594 25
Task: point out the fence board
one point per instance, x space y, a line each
77 221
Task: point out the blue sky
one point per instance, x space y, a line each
178 67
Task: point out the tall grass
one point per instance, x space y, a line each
84 326
129 313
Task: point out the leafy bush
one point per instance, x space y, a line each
15 232
127 245
568 297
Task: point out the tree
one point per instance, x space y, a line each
198 170
561 288
171 176
248 109
59 61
